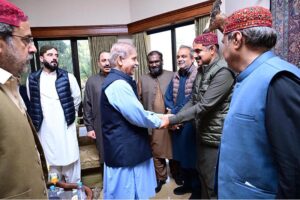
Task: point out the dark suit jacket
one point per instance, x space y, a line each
91 107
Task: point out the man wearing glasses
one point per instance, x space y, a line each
23 168
208 106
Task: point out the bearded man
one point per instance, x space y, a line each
54 98
152 87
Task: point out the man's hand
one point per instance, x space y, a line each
175 127
165 120
91 134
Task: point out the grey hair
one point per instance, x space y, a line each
189 48
120 49
258 36
6 32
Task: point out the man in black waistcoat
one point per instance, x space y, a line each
128 164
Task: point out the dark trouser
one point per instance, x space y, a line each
175 169
160 165
191 179
206 166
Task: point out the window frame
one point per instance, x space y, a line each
172 28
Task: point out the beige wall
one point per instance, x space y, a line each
44 13
141 9
229 6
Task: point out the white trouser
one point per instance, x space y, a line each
71 172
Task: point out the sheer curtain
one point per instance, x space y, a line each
200 24
141 41
98 44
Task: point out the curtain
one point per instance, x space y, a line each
286 21
98 44
200 24
140 40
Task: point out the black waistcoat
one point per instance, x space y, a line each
124 144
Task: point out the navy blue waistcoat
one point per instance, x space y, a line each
247 169
63 89
124 144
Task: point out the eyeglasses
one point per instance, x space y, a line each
27 40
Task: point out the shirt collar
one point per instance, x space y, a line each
4 76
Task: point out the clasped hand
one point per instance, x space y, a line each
166 122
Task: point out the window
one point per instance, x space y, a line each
167 40
162 42
84 61
185 35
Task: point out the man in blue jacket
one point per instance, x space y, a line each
128 164
260 145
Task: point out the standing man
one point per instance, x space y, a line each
23 169
208 106
91 102
55 97
259 155
128 165
183 139
152 88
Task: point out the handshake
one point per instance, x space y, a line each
166 122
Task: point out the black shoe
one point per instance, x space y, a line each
182 190
159 185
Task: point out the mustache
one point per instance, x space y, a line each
30 56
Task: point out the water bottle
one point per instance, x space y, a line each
53 193
80 191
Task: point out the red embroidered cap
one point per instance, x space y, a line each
11 14
248 17
206 39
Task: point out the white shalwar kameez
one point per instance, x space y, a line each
59 141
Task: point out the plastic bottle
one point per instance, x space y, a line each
74 194
53 193
80 191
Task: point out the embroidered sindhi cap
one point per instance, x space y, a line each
206 39
11 14
248 17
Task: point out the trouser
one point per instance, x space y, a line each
160 165
191 179
206 166
71 173
175 169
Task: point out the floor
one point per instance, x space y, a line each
166 191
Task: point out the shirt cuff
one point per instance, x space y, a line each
173 120
89 128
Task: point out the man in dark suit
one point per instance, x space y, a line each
23 168
91 103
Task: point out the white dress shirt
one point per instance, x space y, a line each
59 141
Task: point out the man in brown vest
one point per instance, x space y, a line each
21 155
151 88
